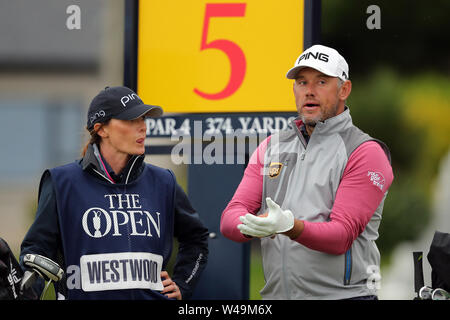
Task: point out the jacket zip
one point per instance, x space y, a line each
299 135
283 256
102 175
112 182
348 254
131 168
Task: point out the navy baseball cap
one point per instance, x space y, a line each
119 103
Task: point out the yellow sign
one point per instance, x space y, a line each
209 56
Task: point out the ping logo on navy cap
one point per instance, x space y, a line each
125 99
119 103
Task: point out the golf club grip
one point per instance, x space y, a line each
418 271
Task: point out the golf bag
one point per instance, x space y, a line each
11 275
439 259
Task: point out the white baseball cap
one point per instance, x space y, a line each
324 59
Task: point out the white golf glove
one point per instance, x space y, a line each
277 221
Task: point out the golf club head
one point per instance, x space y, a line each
425 293
440 294
45 267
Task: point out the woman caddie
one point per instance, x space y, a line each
97 214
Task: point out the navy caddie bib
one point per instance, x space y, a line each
116 237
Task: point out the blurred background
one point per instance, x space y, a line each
48 76
401 95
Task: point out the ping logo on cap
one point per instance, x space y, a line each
318 55
129 97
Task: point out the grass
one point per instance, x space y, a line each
256 273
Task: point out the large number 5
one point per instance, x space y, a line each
231 49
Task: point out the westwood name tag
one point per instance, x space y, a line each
124 270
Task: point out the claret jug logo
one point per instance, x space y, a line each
275 169
92 222
122 215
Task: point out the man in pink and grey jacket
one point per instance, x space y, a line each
314 194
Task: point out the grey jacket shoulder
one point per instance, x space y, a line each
353 137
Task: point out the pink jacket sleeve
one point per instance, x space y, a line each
367 177
247 197
357 198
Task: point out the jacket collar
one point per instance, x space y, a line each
334 124
95 164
